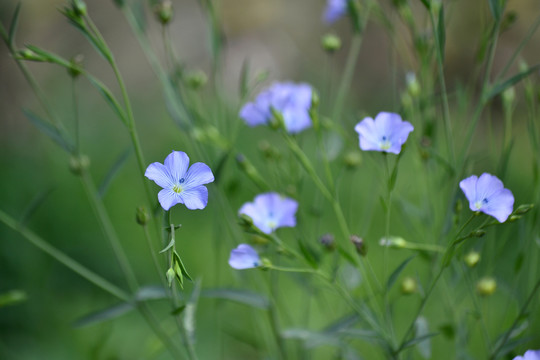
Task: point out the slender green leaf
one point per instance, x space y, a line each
109 97
312 339
109 313
151 293
496 90
49 56
182 266
496 8
12 297
240 296
113 171
427 4
393 277
178 310
34 205
441 32
243 86
14 25
49 130
418 339
168 247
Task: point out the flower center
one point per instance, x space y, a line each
177 188
385 143
481 203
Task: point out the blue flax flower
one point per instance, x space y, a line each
488 195
529 355
387 133
270 211
180 184
244 257
335 9
293 101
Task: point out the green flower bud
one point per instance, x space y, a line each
141 216
170 275
486 286
76 64
478 233
164 11
523 209
513 218
265 264
79 8
413 86
393 242
472 259
77 164
196 79
408 286
352 159
28 54
331 43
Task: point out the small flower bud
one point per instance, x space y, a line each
508 96
331 43
77 164
76 64
196 79
394 242
413 86
513 218
259 240
486 286
164 11
170 275
523 209
265 263
352 159
478 233
28 54
328 241
79 8
141 216
246 221
472 259
408 286
359 244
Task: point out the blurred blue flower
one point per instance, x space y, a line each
488 195
529 355
270 211
334 10
244 257
387 133
293 101
180 184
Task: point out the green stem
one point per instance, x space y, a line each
446 108
64 259
515 323
108 230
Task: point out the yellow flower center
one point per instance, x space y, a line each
177 188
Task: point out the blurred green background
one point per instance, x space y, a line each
279 36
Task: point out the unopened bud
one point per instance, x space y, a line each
141 216
478 233
28 54
79 7
508 96
76 64
328 241
196 79
486 286
408 286
472 259
170 275
331 43
77 164
359 244
246 221
164 11
413 86
523 209
265 264
352 159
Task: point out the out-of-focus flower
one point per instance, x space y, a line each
486 286
180 184
270 211
387 133
291 100
335 9
529 355
244 257
488 195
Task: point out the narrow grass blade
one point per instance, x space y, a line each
496 90
113 171
49 130
34 205
441 32
109 313
240 296
14 24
